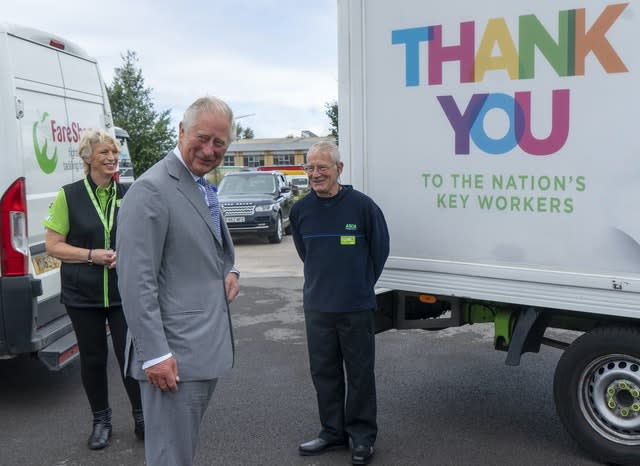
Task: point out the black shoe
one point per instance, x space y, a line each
99 438
138 426
361 454
101 433
319 445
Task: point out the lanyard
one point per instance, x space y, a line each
108 223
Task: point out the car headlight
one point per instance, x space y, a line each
265 207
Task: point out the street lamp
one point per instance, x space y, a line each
244 116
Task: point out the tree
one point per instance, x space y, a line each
332 113
150 133
241 132
247 133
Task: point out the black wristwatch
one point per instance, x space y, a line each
89 258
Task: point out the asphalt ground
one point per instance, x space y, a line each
444 398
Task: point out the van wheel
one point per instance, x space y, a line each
276 237
596 390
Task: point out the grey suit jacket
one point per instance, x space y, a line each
171 272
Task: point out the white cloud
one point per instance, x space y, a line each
276 59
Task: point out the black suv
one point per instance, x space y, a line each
256 202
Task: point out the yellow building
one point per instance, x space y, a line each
254 153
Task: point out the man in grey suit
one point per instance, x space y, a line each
176 279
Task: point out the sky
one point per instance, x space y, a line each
273 61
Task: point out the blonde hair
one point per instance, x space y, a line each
89 138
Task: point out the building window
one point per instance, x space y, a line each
229 160
254 160
283 159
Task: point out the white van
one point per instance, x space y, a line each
299 183
50 90
125 166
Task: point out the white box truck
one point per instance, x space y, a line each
499 138
50 90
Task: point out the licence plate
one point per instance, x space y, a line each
234 219
44 263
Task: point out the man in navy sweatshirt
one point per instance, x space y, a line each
342 238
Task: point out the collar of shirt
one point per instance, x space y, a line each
179 155
103 195
195 177
104 191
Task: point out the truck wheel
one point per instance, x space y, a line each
597 393
276 237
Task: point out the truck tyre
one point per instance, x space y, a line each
276 237
596 390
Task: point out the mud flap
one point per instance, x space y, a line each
527 335
385 309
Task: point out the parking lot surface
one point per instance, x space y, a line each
444 398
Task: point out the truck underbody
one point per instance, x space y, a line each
596 381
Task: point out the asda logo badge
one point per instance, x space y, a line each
59 133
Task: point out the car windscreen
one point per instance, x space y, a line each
300 181
258 184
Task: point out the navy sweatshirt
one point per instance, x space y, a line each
344 243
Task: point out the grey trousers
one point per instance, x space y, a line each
172 421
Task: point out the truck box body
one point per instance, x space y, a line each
500 140
50 90
504 159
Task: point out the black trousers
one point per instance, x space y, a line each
90 327
339 341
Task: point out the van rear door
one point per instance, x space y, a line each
61 94
58 92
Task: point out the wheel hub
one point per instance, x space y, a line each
623 398
611 397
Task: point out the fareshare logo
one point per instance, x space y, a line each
47 165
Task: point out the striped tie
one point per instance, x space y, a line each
214 206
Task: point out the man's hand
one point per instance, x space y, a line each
231 286
164 375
